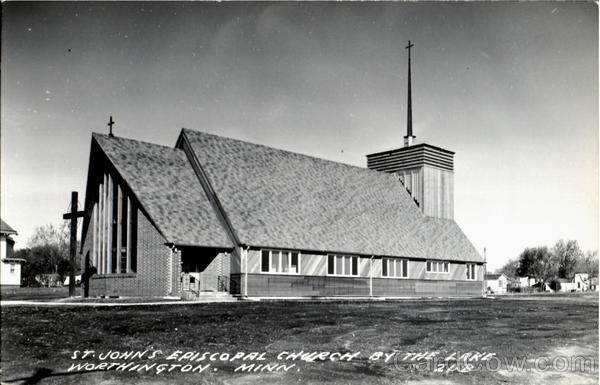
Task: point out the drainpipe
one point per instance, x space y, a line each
173 250
371 277
245 252
483 279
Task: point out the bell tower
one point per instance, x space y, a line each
426 171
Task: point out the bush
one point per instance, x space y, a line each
555 285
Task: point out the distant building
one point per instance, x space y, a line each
520 284
10 269
496 283
581 282
594 284
566 285
77 280
49 280
526 281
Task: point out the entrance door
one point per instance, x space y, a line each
207 268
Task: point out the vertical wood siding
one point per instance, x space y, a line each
433 188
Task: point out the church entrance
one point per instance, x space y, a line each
204 270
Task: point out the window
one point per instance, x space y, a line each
470 271
342 265
123 246
392 267
115 229
265 261
280 262
438 266
12 268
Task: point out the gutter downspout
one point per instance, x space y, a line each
170 272
173 250
245 252
483 279
371 277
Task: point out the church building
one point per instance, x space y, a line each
216 214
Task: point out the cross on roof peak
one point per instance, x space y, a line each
110 124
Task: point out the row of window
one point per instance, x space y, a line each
342 265
115 221
288 262
280 262
394 267
437 267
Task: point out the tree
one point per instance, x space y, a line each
537 262
509 269
47 253
589 264
51 235
567 256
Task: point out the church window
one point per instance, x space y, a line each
115 229
393 267
438 266
265 261
470 271
342 265
280 262
295 266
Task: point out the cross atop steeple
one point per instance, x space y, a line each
110 124
408 139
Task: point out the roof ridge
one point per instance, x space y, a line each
105 136
374 172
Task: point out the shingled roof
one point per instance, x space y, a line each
281 199
167 188
5 228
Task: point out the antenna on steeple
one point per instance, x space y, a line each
408 139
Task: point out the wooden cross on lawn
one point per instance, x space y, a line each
73 215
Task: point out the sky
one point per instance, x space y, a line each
511 87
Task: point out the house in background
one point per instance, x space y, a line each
520 284
10 269
566 285
594 284
68 279
526 281
496 283
581 282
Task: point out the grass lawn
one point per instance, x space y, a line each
34 293
40 344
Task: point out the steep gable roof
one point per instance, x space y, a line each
167 188
276 198
5 228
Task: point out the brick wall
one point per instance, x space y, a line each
175 278
151 279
